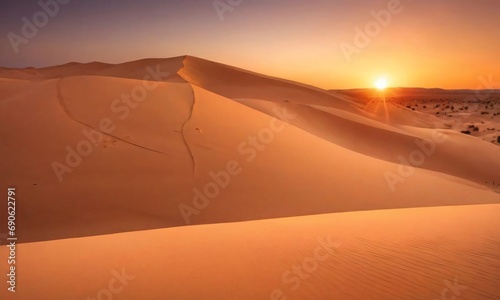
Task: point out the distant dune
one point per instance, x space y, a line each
420 92
259 168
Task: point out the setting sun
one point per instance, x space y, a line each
381 83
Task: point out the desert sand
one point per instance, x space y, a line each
206 181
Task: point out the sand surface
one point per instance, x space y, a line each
205 181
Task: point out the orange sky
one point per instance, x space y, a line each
440 43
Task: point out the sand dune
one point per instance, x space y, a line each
97 149
183 132
426 253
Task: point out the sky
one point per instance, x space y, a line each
332 44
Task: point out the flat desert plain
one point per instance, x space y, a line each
183 178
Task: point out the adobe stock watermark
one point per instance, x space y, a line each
294 276
223 6
249 150
426 148
116 285
93 138
364 36
452 290
40 19
487 85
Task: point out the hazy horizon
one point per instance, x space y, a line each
332 88
446 44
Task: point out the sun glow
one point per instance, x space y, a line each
381 83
